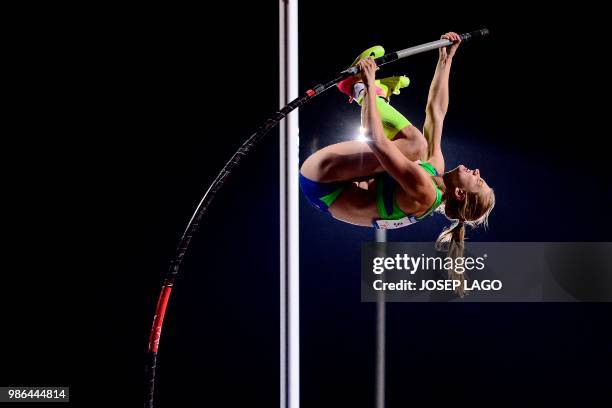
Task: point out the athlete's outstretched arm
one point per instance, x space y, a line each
437 102
406 172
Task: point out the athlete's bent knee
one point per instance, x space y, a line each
319 166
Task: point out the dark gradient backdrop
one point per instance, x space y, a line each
154 101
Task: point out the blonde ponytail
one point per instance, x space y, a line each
451 241
474 210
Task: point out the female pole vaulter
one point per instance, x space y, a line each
398 177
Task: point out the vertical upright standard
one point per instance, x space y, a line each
289 222
381 236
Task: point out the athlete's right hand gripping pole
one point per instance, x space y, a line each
385 59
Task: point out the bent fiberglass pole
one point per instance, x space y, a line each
406 52
169 277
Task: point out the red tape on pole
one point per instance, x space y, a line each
158 320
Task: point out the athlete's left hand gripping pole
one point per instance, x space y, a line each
170 276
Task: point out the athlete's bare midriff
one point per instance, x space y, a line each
357 204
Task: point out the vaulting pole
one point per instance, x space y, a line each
417 49
289 278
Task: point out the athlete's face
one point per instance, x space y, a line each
468 180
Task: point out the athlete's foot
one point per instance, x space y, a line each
346 86
392 85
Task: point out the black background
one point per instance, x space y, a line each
122 117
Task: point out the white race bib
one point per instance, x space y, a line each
393 224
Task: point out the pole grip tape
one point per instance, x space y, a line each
474 35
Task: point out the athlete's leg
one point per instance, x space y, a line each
392 120
350 160
416 146
347 161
